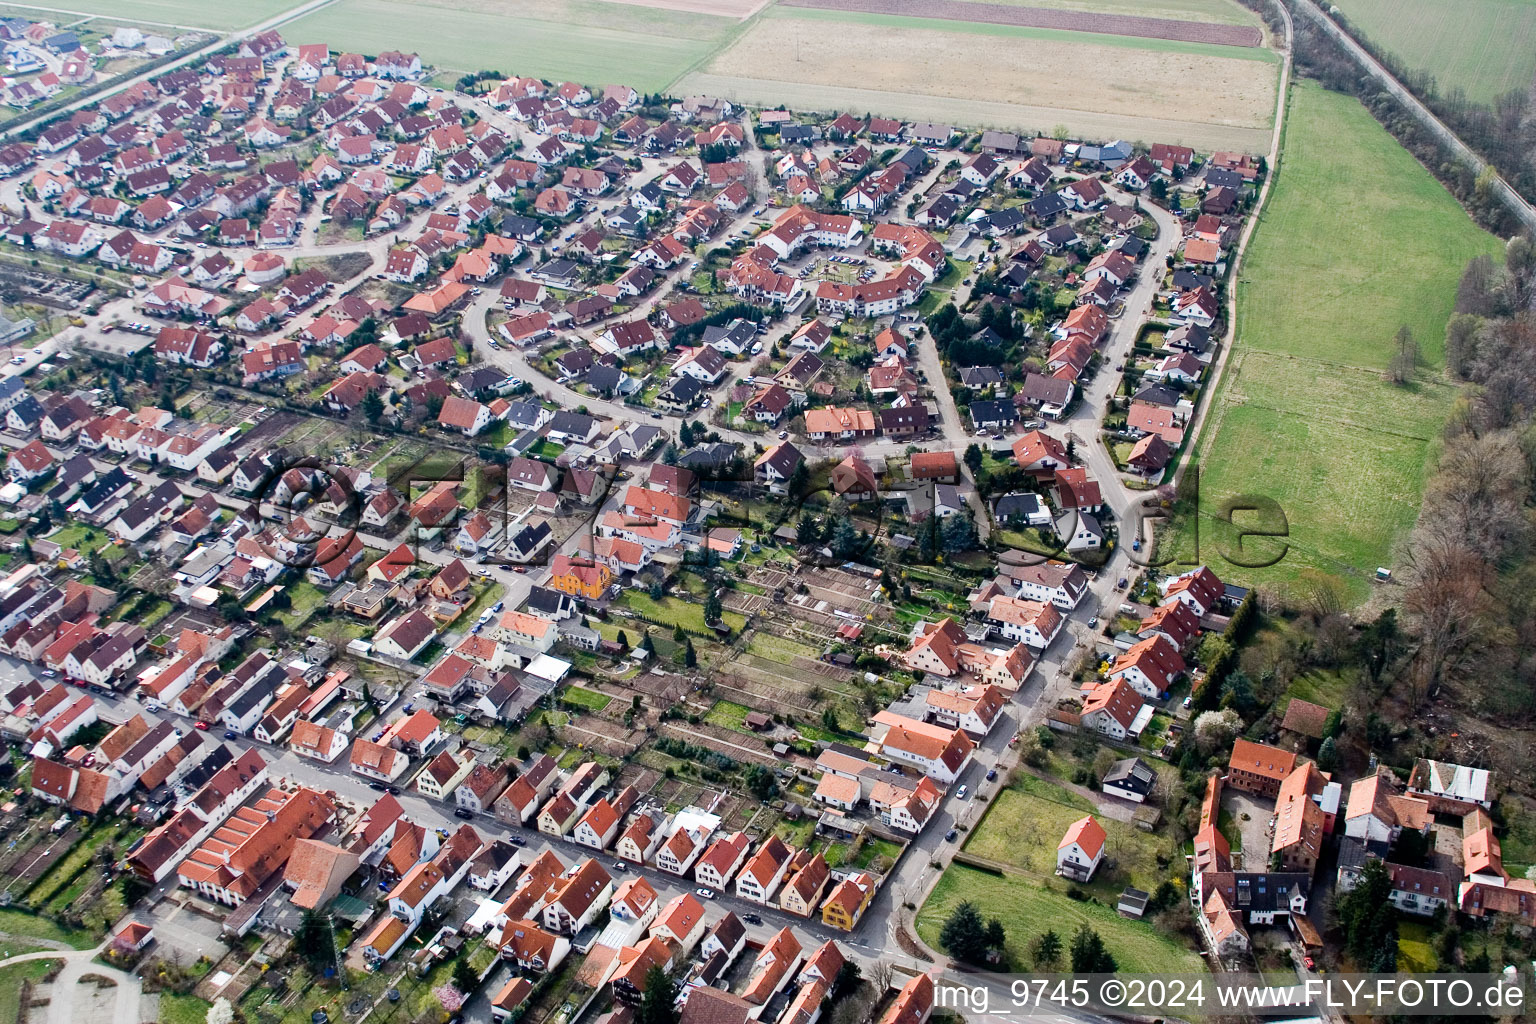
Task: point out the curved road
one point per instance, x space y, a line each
64 991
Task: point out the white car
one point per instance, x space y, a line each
961 792
704 894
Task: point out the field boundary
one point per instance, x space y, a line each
1049 18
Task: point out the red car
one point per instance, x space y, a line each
1309 962
200 725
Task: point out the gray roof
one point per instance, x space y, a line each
1019 503
739 332
531 537
992 412
1132 773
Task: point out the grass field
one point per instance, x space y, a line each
589 699
674 611
10 985
182 13
728 715
587 41
1022 815
1027 910
1483 47
1357 240
16 922
1030 78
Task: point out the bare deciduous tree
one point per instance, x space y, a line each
1405 357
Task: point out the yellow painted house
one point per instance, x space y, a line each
580 577
846 903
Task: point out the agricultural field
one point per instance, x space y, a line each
1483 47
1357 240
589 41
1225 12
1102 22
1030 77
163 13
1028 908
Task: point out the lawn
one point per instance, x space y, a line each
178 1009
11 979
589 699
728 715
1028 909
305 598
583 40
16 922
1357 240
1483 47
1025 820
1415 948
674 611
1519 841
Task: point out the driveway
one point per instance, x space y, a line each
1251 816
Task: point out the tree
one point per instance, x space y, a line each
373 407
1088 954
964 935
1461 343
829 720
648 645
973 458
844 539
314 940
1048 949
1405 357
808 530
1215 730
1237 693
996 935
450 998
690 656
657 1004
713 608
762 783
1328 755
959 532
1368 919
221 1012
464 977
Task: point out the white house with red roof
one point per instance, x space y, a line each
1199 589
1080 850
1150 666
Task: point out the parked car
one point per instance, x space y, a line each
463 812
704 894
951 835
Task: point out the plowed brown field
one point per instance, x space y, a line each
1043 17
